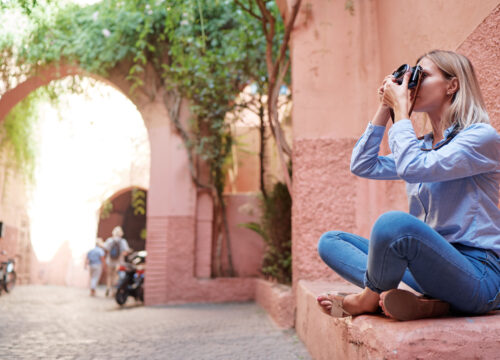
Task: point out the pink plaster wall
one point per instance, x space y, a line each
277 300
14 215
170 268
338 60
328 197
482 47
378 337
174 249
247 247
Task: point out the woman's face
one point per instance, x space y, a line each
433 88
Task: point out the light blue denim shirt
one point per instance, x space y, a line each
453 189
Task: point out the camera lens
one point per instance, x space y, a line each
400 72
416 71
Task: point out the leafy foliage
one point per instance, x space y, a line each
17 133
205 51
275 228
106 209
138 201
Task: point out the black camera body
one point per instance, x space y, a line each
416 72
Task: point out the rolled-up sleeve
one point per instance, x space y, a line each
365 161
475 150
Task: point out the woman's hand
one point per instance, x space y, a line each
382 115
396 96
381 90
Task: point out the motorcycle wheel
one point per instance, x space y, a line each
9 281
121 295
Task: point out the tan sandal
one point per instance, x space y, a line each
404 305
337 300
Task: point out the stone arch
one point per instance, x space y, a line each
177 267
123 215
170 196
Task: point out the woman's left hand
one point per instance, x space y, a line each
396 97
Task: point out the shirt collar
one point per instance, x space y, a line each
429 137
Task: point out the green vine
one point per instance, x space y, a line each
17 133
138 201
106 209
204 51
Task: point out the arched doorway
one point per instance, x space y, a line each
96 146
126 208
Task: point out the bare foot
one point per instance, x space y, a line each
366 302
325 301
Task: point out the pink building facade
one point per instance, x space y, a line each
338 62
339 58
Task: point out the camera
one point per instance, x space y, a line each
416 72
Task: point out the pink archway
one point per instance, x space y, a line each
178 232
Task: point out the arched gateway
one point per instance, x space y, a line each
178 238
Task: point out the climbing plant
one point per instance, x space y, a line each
275 228
138 201
204 51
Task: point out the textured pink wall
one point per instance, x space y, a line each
408 28
377 337
325 196
338 60
247 247
482 47
277 300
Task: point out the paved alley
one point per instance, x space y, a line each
50 322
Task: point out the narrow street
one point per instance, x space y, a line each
50 322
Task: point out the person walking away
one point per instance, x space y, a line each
94 261
116 247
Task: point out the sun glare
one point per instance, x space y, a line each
93 146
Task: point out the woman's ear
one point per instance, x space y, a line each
453 86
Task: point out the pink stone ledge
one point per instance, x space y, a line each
377 337
277 300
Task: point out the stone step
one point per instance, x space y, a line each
378 337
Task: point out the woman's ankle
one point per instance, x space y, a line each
365 302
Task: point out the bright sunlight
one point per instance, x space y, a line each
93 146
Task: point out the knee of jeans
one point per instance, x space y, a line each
326 241
390 225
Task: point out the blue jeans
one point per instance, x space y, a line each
403 248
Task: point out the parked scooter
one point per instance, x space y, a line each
131 277
7 274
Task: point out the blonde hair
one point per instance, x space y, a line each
117 231
467 104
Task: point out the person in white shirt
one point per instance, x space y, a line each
116 250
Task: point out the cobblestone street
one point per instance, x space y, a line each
50 322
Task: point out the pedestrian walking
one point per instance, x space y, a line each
116 247
94 261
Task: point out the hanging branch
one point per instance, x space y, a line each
219 205
276 72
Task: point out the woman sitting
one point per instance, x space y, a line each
448 246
